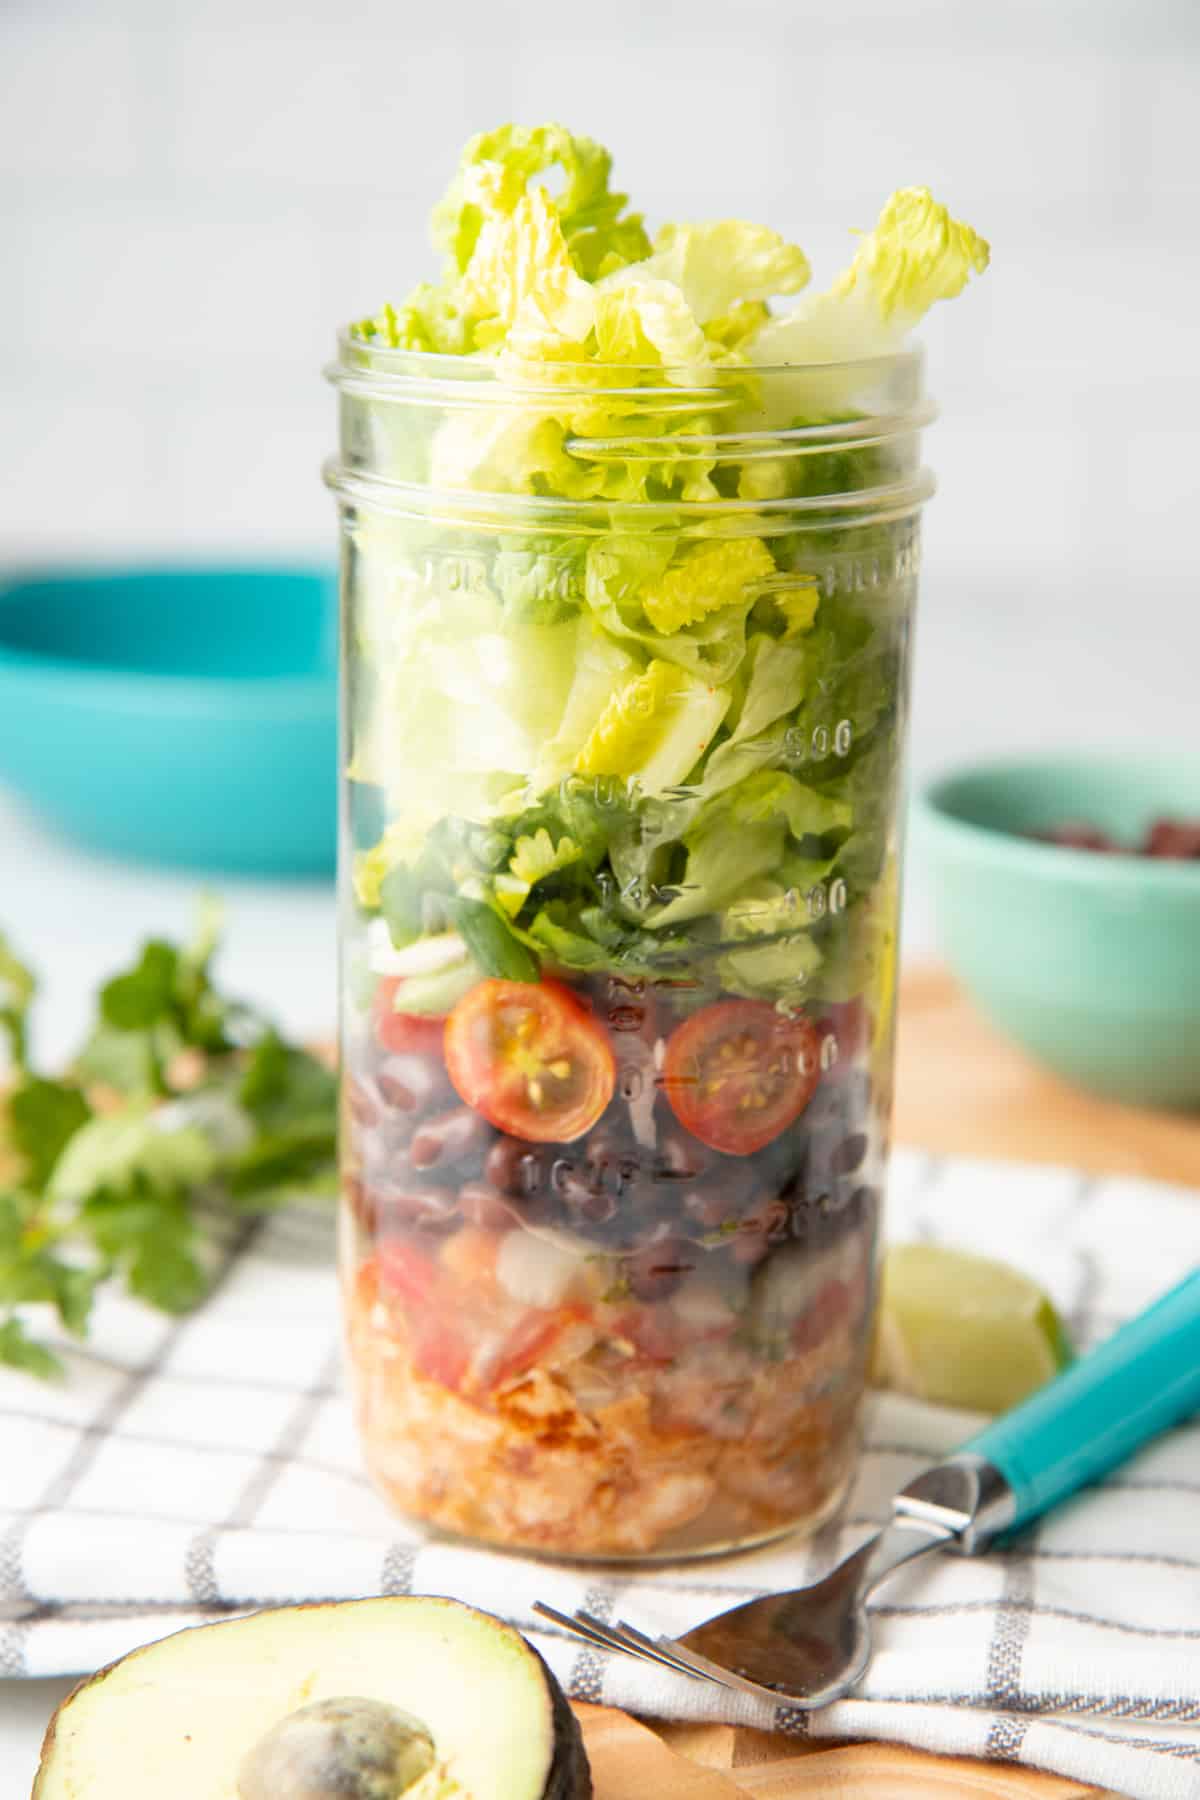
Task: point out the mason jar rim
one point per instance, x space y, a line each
430 369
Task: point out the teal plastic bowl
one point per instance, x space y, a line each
1091 962
176 715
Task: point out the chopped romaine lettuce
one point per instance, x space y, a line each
742 835
622 570
602 669
507 239
594 221
916 255
781 967
720 265
520 283
648 323
705 580
644 746
797 605
654 730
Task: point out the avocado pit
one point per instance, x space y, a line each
343 1749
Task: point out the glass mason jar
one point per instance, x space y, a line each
625 687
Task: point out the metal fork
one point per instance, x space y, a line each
807 1646
811 1645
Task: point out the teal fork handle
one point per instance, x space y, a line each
1139 1382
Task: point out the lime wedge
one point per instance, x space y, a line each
964 1331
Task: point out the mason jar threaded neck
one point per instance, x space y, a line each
562 447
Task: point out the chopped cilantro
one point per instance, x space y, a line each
179 1096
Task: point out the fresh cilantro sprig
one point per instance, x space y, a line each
183 1109
16 994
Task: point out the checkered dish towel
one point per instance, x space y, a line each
194 1466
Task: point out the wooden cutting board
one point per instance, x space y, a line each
631 1761
959 1089
962 1089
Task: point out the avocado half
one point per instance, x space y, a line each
189 1716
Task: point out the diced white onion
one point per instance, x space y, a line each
701 1306
535 1272
425 957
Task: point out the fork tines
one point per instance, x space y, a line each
626 1639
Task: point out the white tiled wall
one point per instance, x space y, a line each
194 195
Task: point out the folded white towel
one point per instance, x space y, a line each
190 1467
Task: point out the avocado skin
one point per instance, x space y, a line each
570 1776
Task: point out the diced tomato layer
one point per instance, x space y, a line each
829 1309
406 1272
399 1030
440 1353
530 1341
460 1332
652 1330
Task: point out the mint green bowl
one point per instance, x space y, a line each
1091 962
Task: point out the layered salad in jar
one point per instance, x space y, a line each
626 614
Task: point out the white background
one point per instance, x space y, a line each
193 196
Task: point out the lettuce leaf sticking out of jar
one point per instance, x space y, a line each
916 255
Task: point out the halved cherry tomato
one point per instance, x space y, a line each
398 1030
738 1072
531 1058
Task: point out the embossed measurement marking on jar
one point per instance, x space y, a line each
608 791
459 573
631 1082
815 902
803 743
636 892
456 574
850 574
626 1010
823 897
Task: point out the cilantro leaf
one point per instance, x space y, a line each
129 1150
292 1097
282 1084
31 1268
17 987
165 1004
276 1167
143 997
124 1060
43 1116
19 1351
151 1238
111 1188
